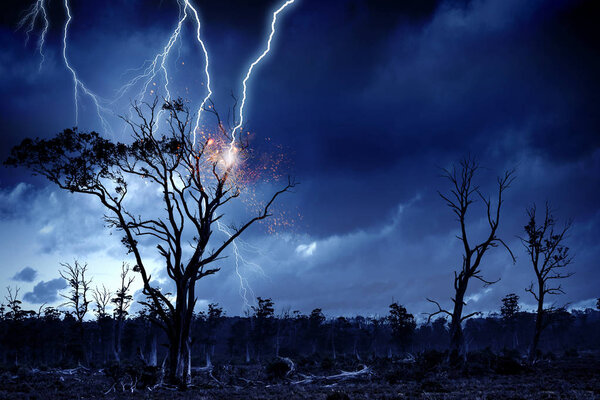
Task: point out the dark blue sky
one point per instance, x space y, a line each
367 99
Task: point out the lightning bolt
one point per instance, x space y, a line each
35 12
150 71
158 65
205 69
251 68
245 289
76 82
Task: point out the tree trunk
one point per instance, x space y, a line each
180 341
207 355
538 326
152 359
356 351
180 358
333 341
118 332
456 334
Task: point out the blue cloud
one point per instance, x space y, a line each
45 292
27 274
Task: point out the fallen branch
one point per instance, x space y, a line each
342 376
409 359
290 363
210 373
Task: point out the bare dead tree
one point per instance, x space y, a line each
16 315
122 301
77 299
462 194
123 297
195 180
14 305
79 288
549 256
101 299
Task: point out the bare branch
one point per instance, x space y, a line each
440 310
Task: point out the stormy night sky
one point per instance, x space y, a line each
366 100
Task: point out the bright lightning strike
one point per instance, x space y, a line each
76 82
158 65
251 68
245 288
150 72
205 68
35 12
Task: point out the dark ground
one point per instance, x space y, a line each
483 376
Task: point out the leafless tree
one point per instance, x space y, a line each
14 305
101 300
122 301
196 178
462 195
79 288
549 257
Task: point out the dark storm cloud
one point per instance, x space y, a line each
485 79
368 100
27 274
45 292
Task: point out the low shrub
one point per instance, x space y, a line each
277 369
507 366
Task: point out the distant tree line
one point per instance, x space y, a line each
51 337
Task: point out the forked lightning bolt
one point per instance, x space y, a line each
251 68
245 288
156 66
159 63
76 82
35 12
205 69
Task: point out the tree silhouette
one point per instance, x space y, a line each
508 310
460 197
263 328
16 317
122 301
315 331
101 300
212 318
195 179
403 325
77 299
15 310
549 256
510 306
79 287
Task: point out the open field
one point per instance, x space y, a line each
482 377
